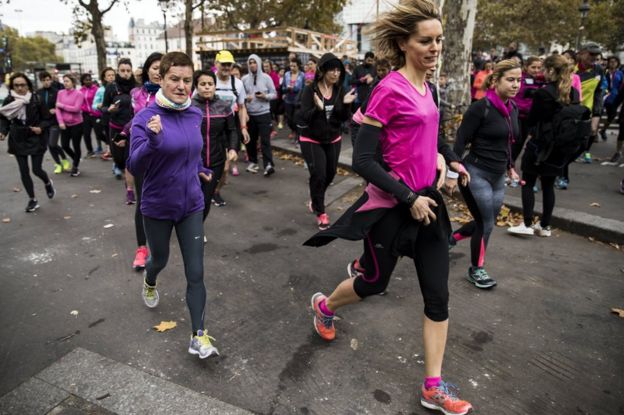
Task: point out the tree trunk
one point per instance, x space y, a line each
188 27
97 30
459 16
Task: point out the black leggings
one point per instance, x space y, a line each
138 216
120 154
432 263
37 160
72 134
289 113
51 135
260 127
209 188
528 198
88 124
322 161
190 233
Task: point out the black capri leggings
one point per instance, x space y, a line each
432 263
190 233
72 134
209 188
37 160
322 161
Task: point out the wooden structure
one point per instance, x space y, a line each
274 43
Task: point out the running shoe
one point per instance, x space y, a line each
587 158
66 165
235 171
218 200
521 229
613 161
322 221
603 135
50 191
58 168
452 242
202 346
561 183
269 170
106 156
514 183
98 151
117 172
480 278
32 205
544 232
90 155
74 172
140 257
324 325
130 199
443 398
354 270
253 168
150 295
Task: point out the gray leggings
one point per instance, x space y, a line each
484 198
190 233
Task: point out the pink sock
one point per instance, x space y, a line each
458 237
324 309
432 382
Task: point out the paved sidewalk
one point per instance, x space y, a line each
574 212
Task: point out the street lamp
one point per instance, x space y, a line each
163 6
584 10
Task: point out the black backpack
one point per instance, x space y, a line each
564 136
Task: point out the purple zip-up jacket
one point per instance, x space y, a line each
170 162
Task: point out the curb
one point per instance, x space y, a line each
579 223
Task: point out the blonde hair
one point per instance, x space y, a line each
562 75
399 24
499 71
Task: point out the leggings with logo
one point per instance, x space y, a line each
190 233
484 198
432 263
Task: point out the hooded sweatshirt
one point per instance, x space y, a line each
258 82
323 126
169 161
218 130
89 95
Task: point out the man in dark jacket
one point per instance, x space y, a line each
363 78
49 124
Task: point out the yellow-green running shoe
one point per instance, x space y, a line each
66 165
150 295
201 345
58 169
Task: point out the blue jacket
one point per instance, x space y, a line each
169 161
615 80
291 97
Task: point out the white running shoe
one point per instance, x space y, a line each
521 229
202 346
544 232
253 168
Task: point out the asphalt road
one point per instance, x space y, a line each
543 341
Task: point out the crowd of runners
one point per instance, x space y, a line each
173 136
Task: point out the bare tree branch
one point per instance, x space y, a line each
106 10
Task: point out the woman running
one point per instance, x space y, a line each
89 115
166 152
69 116
401 212
490 126
117 104
218 130
49 124
547 101
324 107
20 118
107 76
291 86
141 98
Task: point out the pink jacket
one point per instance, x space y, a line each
576 84
89 95
69 107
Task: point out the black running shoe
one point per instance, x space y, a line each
32 205
218 200
50 191
74 172
269 170
603 135
480 278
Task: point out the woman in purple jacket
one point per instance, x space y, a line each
166 150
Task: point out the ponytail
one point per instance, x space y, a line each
561 75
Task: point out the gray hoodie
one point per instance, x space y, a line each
258 82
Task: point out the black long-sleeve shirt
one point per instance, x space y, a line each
322 125
488 136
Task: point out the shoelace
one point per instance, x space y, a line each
149 291
481 274
205 340
449 389
327 320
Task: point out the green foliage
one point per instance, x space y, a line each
538 23
28 50
312 14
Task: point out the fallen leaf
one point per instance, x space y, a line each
618 311
74 196
591 238
66 217
108 225
95 191
114 255
594 204
17 189
354 344
165 325
6 220
74 313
